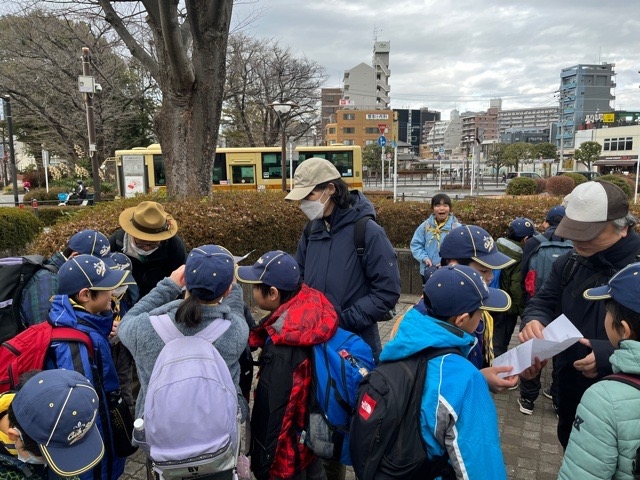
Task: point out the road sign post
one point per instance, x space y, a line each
382 141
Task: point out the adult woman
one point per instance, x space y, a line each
425 244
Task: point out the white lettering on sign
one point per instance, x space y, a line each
376 116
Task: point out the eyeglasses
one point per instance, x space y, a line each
142 244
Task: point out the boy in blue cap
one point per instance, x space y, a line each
605 437
455 297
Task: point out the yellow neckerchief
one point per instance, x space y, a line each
487 350
437 230
5 401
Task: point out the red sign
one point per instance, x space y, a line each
383 128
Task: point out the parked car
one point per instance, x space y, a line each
586 173
512 175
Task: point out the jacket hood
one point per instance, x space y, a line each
307 319
509 247
417 332
63 314
360 207
627 358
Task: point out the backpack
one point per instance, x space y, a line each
634 381
28 350
190 425
15 273
359 234
541 261
338 367
387 423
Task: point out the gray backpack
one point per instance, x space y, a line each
191 421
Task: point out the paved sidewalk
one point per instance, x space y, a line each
529 444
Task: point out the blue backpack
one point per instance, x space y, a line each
541 261
338 366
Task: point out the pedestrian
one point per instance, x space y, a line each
362 288
598 222
26 185
81 192
605 438
148 236
455 297
425 244
504 178
210 295
51 422
37 294
299 317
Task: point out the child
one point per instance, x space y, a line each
300 317
458 416
473 246
606 431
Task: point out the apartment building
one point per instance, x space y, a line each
360 127
526 119
367 86
483 124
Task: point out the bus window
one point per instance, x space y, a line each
220 169
271 165
344 163
159 173
243 174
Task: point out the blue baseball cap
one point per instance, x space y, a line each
88 271
456 289
209 271
555 214
623 287
90 242
276 269
471 241
523 227
119 261
58 409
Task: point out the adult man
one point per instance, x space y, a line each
148 237
597 220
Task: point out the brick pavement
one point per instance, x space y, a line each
529 444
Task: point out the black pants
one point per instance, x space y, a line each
503 327
530 389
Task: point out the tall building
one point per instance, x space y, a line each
584 90
525 119
412 124
367 86
483 124
444 134
329 104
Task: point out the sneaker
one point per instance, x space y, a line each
547 393
526 406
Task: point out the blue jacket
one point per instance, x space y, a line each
426 240
361 289
608 434
458 414
98 327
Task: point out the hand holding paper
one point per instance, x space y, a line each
558 336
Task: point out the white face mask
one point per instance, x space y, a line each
117 293
141 251
313 209
32 459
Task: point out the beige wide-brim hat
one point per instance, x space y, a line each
148 221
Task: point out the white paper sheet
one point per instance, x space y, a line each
558 336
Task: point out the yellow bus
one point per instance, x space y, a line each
141 169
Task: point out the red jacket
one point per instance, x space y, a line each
305 320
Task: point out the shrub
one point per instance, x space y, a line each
541 185
521 186
577 178
560 185
18 227
619 181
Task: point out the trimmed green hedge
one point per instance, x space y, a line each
18 227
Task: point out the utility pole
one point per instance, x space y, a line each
12 153
88 101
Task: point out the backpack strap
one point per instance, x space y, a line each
214 330
68 334
627 378
40 260
359 234
167 330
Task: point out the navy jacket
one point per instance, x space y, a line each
361 289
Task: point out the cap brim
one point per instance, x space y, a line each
244 257
495 260
247 275
498 301
125 222
299 193
580 231
598 293
113 279
69 461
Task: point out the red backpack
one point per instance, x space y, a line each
28 351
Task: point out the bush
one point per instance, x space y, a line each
620 182
18 227
577 178
521 186
560 185
541 185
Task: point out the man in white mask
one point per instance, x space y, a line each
149 238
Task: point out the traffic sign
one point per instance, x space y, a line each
441 150
382 141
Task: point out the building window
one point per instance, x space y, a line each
348 142
332 130
618 144
348 116
348 130
371 130
369 142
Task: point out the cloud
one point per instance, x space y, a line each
460 53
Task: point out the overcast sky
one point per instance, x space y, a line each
449 54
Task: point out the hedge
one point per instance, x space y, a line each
18 227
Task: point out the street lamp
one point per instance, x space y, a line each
12 153
282 109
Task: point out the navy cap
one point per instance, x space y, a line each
555 214
276 269
87 271
471 241
90 242
119 261
58 409
456 289
523 227
209 271
623 287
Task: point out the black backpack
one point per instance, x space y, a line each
387 443
15 273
